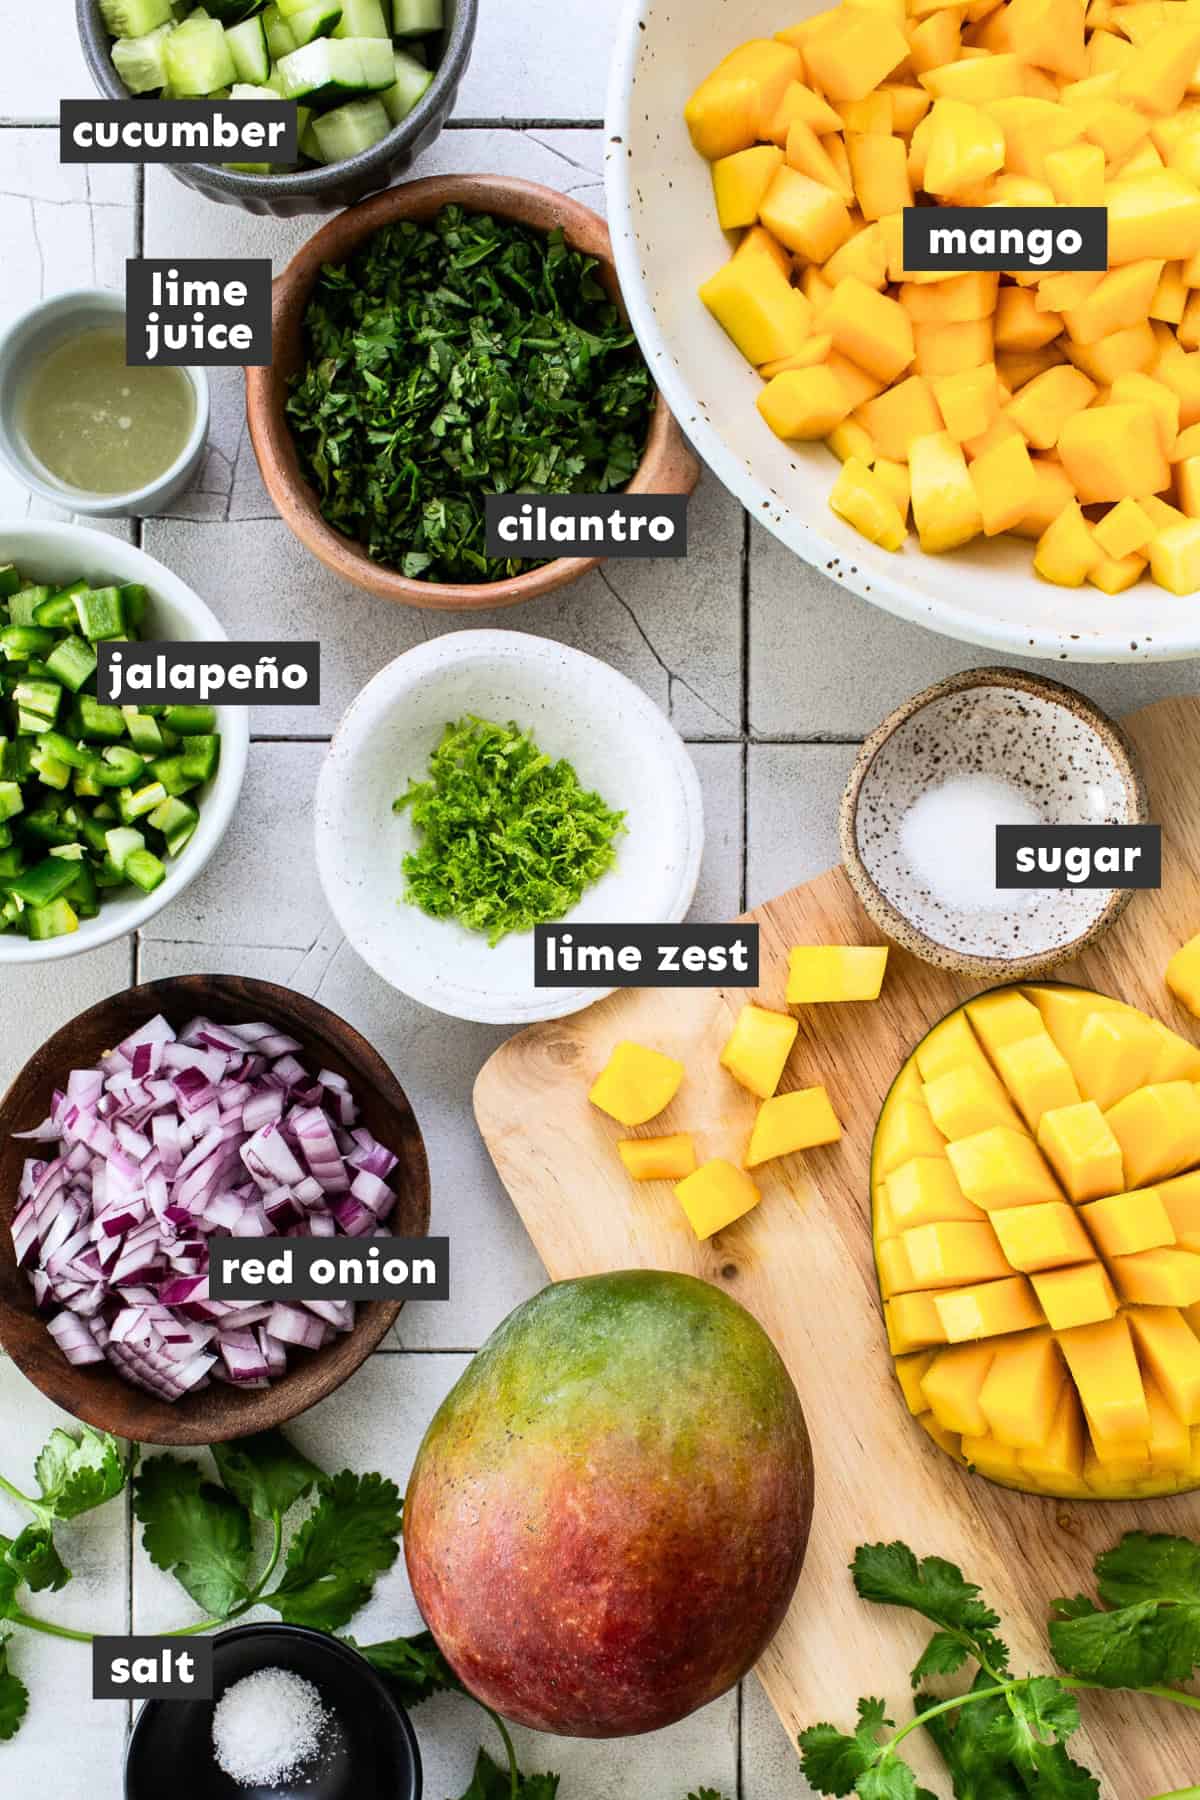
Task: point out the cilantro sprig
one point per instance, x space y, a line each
1005 1737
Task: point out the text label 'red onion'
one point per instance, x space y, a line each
306 1270
956 239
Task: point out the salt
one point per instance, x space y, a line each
948 835
267 1727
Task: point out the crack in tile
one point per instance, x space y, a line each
670 673
571 161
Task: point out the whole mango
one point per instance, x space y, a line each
609 1513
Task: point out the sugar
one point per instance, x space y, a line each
267 1727
948 835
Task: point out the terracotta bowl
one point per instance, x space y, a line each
1060 754
96 1393
668 465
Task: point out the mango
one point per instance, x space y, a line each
1037 1075
758 1048
822 973
1171 1352
989 1309
752 300
865 501
1056 1467
944 503
1002 1167
1181 1199
1162 1277
1111 451
649 1417
852 51
873 331
1158 1129
909 1370
810 218
1079 1145
952 1385
1005 483
1047 1236
740 181
786 1123
636 1084
1020 1397
1105 1370
1083 1295
659 1159
1126 1223
715 1195
804 403
1002 1017
952 1253
925 1191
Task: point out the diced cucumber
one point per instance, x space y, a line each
198 59
362 19
280 38
248 47
134 18
315 22
289 8
414 18
352 128
141 62
333 69
232 12
243 90
308 140
411 82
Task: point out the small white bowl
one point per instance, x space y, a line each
61 553
42 328
618 742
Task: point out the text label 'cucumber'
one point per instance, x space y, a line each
309 1269
657 956
162 674
957 239
187 131
587 525
152 1668
211 312
1078 856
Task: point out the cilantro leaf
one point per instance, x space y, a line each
491 1782
942 1655
890 1575
972 1744
1146 1645
891 1779
415 1665
833 1761
78 1472
1149 1567
351 1537
14 1697
36 1561
10 1580
266 1473
196 1531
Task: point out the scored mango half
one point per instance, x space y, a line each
1036 1220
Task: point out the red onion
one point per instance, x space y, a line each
171 1141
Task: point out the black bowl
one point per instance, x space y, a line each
373 1755
311 190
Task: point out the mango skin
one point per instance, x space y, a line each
608 1515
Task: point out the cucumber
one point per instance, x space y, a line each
308 138
140 61
232 12
288 8
281 40
243 90
198 59
335 69
349 129
412 80
134 18
248 47
414 18
315 22
362 19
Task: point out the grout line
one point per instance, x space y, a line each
525 125
139 249
740 1740
745 721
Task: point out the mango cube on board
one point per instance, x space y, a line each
1002 1167
989 1309
1158 1129
910 1132
1164 1277
952 1386
789 1122
1078 1296
925 1191
636 1084
758 1048
1078 1143
1181 1198
1037 1075
910 1369
1021 1394
1170 1351
1126 1223
1005 1017
1058 1463
715 1195
1114 1055
1101 1358
659 1159
952 1253
826 972
1048 1236
1183 975
913 1323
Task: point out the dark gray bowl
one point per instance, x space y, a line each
311 190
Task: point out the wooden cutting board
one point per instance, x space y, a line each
802 1263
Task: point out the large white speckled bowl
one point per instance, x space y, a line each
667 241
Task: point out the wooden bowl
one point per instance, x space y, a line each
95 1392
668 465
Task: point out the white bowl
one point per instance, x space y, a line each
61 553
667 241
618 742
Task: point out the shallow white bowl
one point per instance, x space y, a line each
667 241
618 742
61 553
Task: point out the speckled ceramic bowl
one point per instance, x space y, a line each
1061 754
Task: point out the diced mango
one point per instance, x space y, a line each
988 1310
1170 1351
1082 1151
1005 484
873 331
804 403
910 1369
952 1384
989 1457
949 1441
953 1253
1047 1236
1181 1198
1065 1011
1152 215
790 1122
1158 1129
950 1045
944 503
912 1323
905 1131
1067 552
735 105
896 1274
1113 1056
865 501
1078 1296
810 218
1024 1386
1170 1436
636 1084
818 973
1000 1018
924 1191
967 1100
1175 558
758 1048
1126 1223
1002 1167
1057 1465
1045 405
1124 530
1176 1058
1166 1277
740 181
659 1159
852 51
715 1195
754 302
879 168
904 413
1105 1370
807 154
1036 1074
